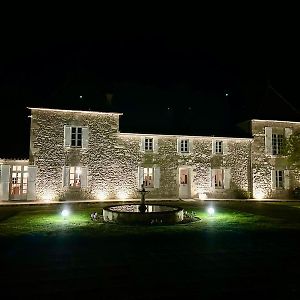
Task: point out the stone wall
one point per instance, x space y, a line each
112 159
264 163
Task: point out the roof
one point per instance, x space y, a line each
76 111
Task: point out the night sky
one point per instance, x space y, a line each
179 81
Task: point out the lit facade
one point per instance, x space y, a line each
83 155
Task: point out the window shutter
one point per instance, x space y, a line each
178 145
85 137
155 144
286 179
190 145
156 177
273 179
213 147
212 178
268 140
287 132
66 176
67 136
227 178
209 174
142 144
4 182
83 177
140 176
31 193
225 147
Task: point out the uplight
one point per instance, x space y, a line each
211 211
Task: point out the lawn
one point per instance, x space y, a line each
244 250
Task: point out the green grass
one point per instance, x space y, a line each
228 216
246 250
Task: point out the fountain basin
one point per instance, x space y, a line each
154 214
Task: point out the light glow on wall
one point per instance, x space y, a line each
48 196
259 194
101 195
122 195
202 196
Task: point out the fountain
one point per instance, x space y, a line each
142 213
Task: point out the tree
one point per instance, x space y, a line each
292 149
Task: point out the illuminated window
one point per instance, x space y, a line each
19 180
148 177
184 146
75 176
218 178
277 140
148 144
219 147
279 179
76 137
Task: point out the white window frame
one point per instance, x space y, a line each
279 179
76 136
277 143
149 144
184 146
75 177
148 172
215 184
19 178
219 147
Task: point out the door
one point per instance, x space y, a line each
184 183
18 183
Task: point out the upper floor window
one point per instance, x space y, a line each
76 137
277 141
219 147
184 146
148 144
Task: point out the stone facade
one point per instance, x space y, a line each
265 160
83 155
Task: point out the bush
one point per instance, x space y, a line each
296 193
241 194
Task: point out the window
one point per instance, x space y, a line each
219 147
184 146
218 178
148 144
148 177
19 180
75 176
279 177
277 140
76 137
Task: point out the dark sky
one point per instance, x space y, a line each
164 81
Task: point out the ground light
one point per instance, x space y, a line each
65 212
211 211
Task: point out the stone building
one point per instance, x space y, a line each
83 155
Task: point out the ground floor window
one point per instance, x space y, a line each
279 179
149 177
218 178
75 176
19 180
